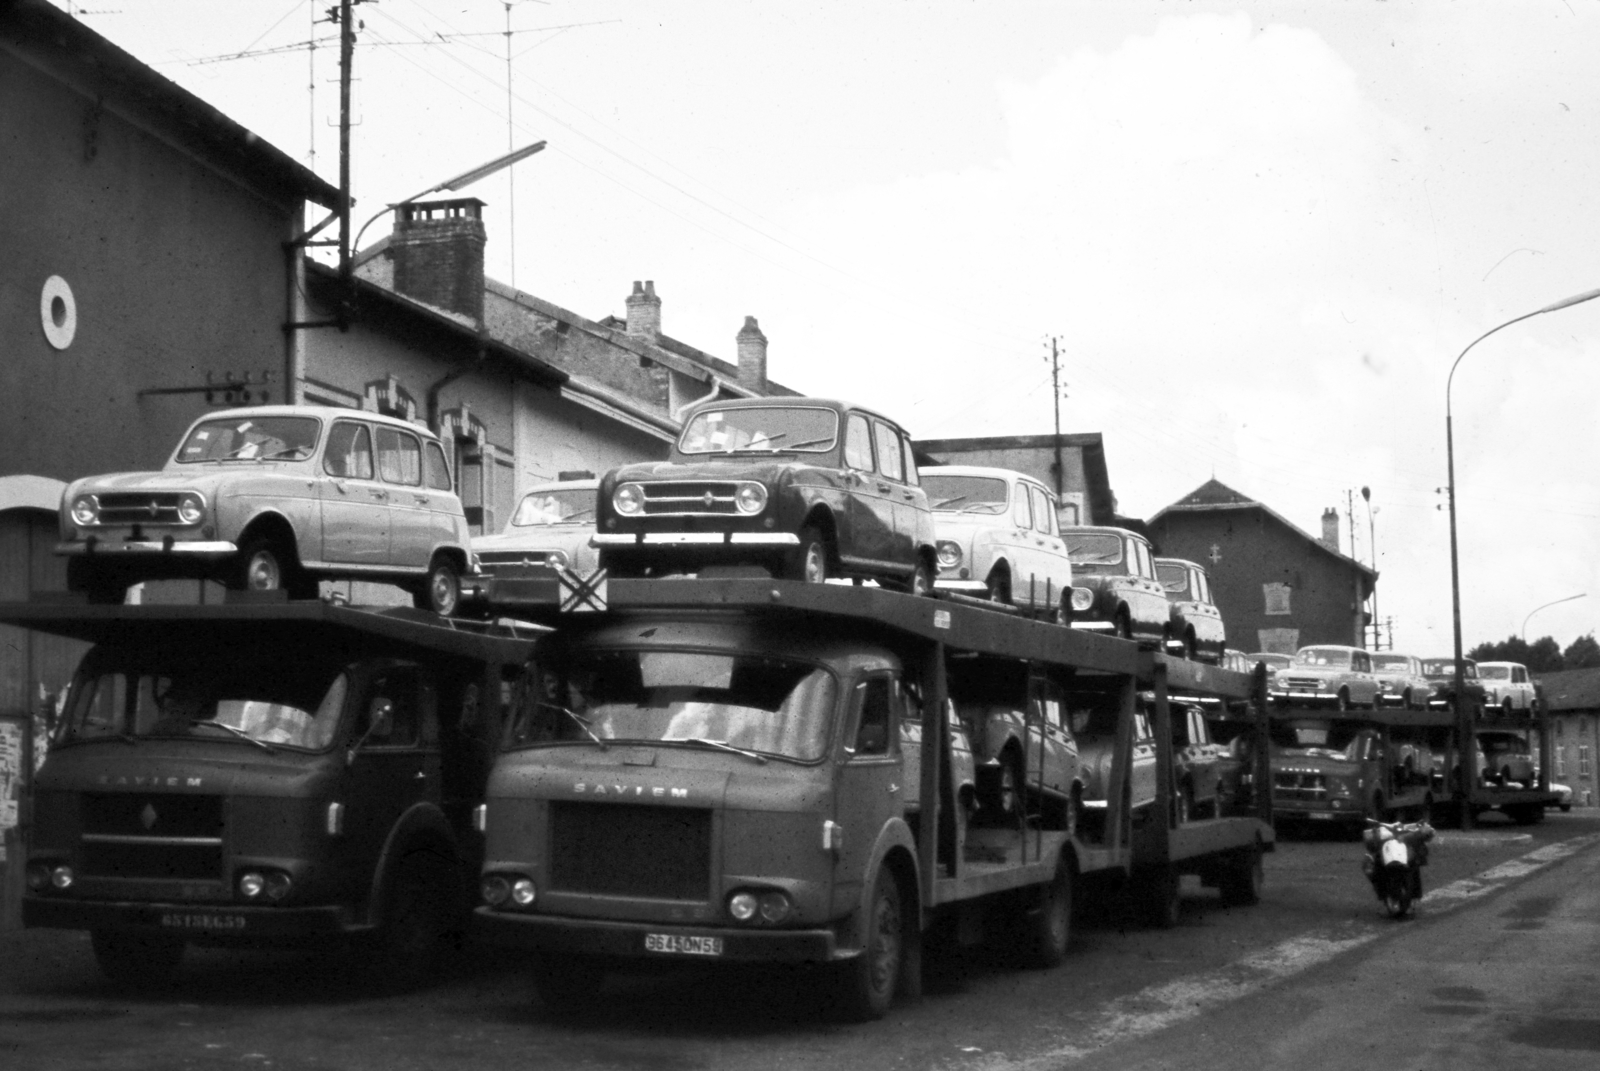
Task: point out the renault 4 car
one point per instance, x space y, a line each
998 538
1401 682
276 497
1275 663
805 488
1197 629
550 528
1115 588
1329 673
1441 675
1507 685
1506 759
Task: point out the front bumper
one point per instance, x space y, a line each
214 548
607 937
695 539
964 587
233 922
1331 810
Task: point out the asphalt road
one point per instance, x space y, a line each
1499 969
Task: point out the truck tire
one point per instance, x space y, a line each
418 914
867 983
135 959
1045 923
567 984
1163 897
1241 884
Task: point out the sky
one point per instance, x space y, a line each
1259 233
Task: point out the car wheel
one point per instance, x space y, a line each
1009 786
1063 613
999 586
441 588
263 565
1342 703
921 580
1190 648
1506 706
809 561
1123 625
1185 803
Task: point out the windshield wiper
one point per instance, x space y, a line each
809 442
720 745
240 733
583 723
950 502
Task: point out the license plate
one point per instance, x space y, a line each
1319 815
184 920
678 944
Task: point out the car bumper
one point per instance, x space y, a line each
963 587
607 937
212 548
184 919
1094 626
695 539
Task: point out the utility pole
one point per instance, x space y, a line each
1055 399
347 51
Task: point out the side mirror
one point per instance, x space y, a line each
380 725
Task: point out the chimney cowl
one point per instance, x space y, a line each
438 254
644 311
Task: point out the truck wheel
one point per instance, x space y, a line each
1046 922
440 590
136 959
104 584
567 984
404 952
868 982
1162 897
1241 885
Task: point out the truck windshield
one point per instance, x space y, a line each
765 428
773 706
266 702
1315 740
280 438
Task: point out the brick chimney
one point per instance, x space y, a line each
1330 529
752 356
438 254
644 311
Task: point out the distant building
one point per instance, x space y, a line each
1074 465
1573 698
1278 588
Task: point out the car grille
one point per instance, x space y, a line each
506 562
620 849
149 835
148 507
705 498
1294 785
1304 683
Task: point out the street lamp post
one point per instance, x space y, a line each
1536 609
1372 550
1463 714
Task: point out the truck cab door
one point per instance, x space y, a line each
869 784
393 752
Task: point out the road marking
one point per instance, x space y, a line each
1157 1007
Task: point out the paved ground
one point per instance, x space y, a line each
1125 994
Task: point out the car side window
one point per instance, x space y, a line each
1021 511
911 463
399 457
1043 515
1131 557
858 443
873 720
890 453
438 468
349 452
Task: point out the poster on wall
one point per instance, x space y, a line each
11 779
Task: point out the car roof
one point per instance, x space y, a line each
1508 664
785 402
324 412
982 470
1180 561
1330 647
1099 529
564 485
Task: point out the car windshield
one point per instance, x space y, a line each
271 438
1445 667
1093 548
270 701
1316 739
965 494
761 429
541 508
1273 661
1175 578
755 703
1335 657
1495 673
1383 662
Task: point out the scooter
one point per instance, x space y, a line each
1396 854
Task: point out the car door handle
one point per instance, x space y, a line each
908 495
423 499
884 488
379 494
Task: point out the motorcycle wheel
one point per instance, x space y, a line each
1397 894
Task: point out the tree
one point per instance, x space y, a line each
1582 653
1541 656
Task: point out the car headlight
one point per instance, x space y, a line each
750 498
85 509
191 508
949 553
556 560
628 499
1082 599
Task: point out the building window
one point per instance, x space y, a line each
1583 760
388 397
1277 598
1561 762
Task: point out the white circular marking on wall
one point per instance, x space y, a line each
58 312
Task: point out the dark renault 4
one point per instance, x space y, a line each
806 488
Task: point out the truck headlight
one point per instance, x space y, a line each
949 553
191 508
750 498
85 509
1082 599
628 499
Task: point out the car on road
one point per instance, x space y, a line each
1506 759
550 528
276 497
1507 685
1115 587
805 488
1327 673
997 538
1401 682
1441 674
1563 795
1197 630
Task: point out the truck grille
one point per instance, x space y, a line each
705 498
150 835
622 849
1299 786
145 507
